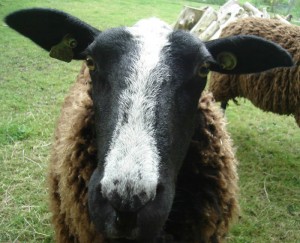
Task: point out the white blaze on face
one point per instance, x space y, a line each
132 162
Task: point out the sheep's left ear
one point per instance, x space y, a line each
64 36
246 54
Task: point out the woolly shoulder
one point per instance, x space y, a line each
217 146
76 115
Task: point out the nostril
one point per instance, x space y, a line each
124 203
160 188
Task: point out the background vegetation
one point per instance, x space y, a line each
32 87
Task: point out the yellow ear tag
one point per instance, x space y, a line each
63 50
227 60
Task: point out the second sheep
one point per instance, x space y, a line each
277 90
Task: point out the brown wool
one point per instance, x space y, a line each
277 90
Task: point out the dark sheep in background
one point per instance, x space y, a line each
137 157
276 90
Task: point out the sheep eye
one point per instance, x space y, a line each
203 70
90 63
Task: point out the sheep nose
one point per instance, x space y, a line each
127 196
126 203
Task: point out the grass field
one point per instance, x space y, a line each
32 87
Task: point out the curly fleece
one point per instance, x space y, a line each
206 192
277 90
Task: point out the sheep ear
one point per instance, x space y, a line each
63 35
246 54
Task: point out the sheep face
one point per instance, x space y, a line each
146 83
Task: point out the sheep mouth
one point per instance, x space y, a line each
122 235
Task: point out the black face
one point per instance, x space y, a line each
146 84
146 103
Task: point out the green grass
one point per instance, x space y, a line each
32 87
268 148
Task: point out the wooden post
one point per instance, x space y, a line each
227 14
277 16
253 10
209 31
265 13
206 19
208 23
188 17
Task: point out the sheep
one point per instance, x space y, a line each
137 155
212 149
277 90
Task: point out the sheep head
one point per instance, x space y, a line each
146 83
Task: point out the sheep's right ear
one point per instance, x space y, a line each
63 35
